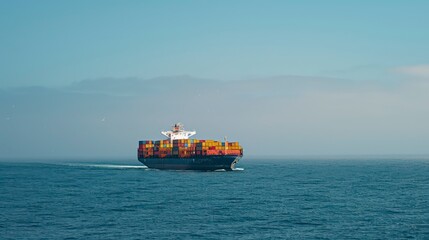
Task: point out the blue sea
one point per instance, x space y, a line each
365 198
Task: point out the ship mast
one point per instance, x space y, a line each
178 132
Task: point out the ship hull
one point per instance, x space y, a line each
204 163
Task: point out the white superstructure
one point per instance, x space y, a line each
178 132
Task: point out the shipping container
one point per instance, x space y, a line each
185 148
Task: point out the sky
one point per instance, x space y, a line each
90 78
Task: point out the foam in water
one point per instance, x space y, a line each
109 166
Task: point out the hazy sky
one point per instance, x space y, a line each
91 78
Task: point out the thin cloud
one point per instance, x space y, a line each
416 70
291 115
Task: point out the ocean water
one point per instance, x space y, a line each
265 199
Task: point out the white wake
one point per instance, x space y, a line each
108 166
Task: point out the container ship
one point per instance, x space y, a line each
179 152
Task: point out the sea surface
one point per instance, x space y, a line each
264 199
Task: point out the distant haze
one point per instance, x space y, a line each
284 115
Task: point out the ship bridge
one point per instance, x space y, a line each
178 132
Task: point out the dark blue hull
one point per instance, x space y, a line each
207 163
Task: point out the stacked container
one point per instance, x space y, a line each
187 148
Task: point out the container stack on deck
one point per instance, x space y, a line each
187 148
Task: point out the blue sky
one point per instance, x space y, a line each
90 78
54 43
